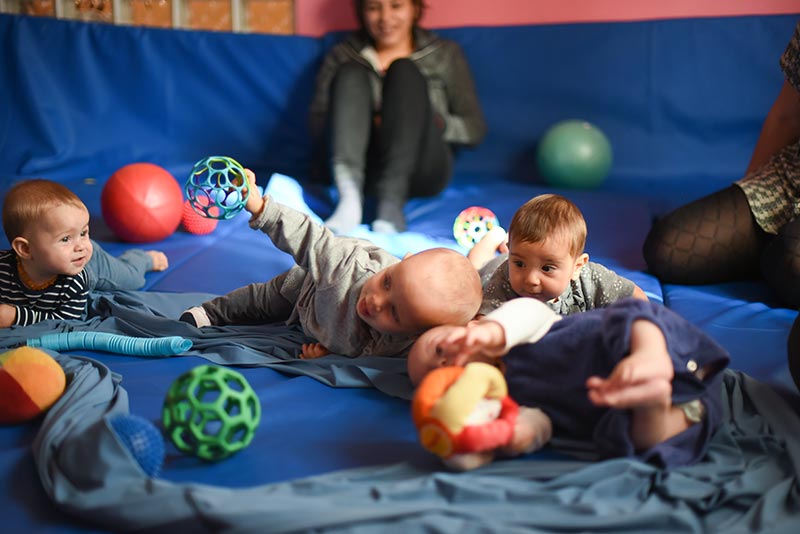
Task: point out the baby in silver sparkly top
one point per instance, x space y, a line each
546 261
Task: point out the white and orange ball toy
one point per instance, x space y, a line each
461 410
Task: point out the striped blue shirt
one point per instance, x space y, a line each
65 299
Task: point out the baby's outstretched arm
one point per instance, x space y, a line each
638 293
532 431
484 340
642 383
495 240
643 378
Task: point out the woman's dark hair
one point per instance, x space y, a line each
359 7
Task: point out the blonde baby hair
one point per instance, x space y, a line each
27 201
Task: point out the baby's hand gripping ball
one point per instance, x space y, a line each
211 412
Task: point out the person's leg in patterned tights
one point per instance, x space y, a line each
713 239
793 350
780 264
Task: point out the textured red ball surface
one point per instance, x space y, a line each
194 223
142 203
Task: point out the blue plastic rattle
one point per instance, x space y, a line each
217 187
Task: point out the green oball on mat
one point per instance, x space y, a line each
211 412
574 154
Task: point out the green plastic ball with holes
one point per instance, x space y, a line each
211 412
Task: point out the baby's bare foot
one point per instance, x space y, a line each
532 430
468 461
160 261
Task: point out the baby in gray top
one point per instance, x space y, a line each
351 296
546 261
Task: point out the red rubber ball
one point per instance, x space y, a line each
194 223
142 203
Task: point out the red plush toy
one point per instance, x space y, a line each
31 381
459 411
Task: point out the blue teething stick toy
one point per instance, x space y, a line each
132 346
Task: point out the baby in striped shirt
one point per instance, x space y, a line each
52 264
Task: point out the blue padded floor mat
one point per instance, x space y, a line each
349 453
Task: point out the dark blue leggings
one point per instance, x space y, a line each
402 157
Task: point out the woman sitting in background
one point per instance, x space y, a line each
391 99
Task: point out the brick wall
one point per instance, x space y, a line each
255 16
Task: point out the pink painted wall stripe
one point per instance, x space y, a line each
315 17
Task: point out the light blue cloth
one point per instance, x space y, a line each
289 192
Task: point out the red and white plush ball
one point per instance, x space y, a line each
31 381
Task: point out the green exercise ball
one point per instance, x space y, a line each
574 154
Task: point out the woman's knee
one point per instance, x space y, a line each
404 73
793 351
351 77
403 67
780 263
670 251
713 239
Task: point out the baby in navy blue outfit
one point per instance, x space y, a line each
630 380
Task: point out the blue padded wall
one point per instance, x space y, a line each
681 100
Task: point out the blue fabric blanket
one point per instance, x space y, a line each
153 314
747 483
